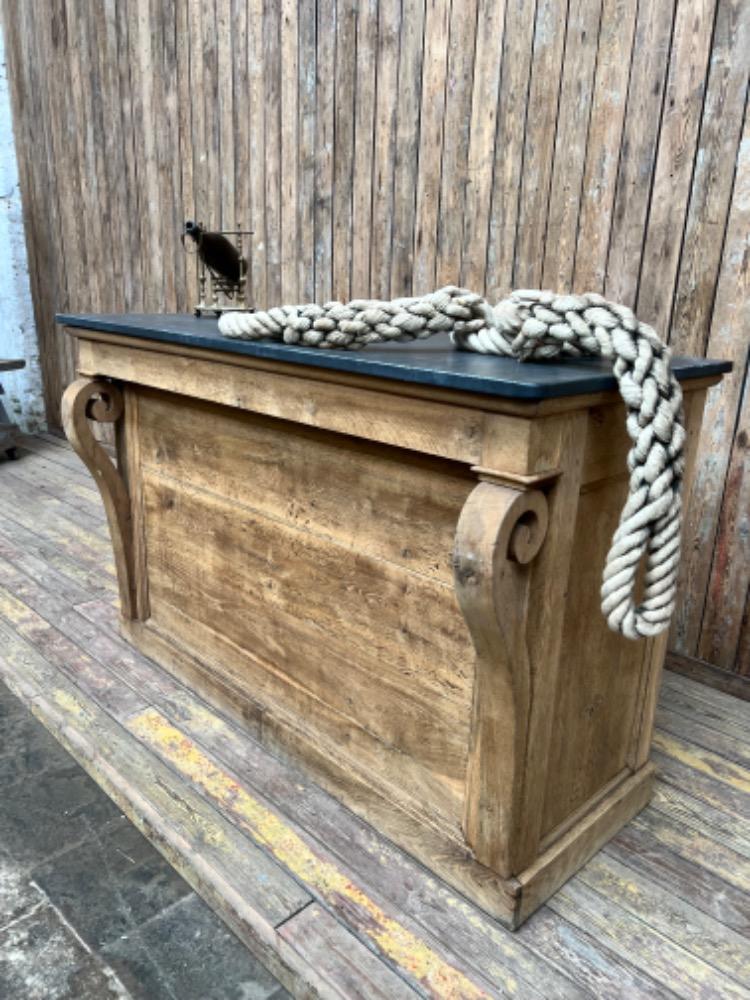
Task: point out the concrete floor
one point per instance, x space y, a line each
89 910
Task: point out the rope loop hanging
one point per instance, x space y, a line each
533 326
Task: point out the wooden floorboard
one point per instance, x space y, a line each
332 908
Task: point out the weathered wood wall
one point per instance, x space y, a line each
388 146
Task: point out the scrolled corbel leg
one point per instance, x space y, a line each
500 531
85 400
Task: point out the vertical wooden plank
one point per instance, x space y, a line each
720 132
119 279
726 594
364 125
613 63
482 130
241 114
133 116
198 129
518 37
143 78
307 106
437 20
256 167
729 583
289 153
83 139
674 160
224 111
133 249
571 143
188 292
209 95
32 128
639 139
389 33
105 157
59 94
463 28
272 148
407 146
65 165
324 98
694 301
539 140
167 142
343 149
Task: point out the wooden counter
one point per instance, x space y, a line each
387 564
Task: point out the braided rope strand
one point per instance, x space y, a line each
538 325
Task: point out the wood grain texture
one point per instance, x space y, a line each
664 909
382 146
449 700
85 399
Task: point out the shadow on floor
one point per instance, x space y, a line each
89 910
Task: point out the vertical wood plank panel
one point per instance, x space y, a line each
716 159
539 140
674 160
437 20
384 150
32 130
463 27
364 123
289 152
132 205
256 167
511 123
700 297
324 98
343 149
384 147
407 146
271 148
169 171
225 113
243 158
571 143
482 131
614 57
729 583
82 138
653 36
306 194
701 621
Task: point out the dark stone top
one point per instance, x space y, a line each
427 362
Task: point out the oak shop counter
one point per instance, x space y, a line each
387 565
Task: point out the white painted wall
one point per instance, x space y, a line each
23 389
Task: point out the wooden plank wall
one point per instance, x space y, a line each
385 147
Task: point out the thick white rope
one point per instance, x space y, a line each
534 325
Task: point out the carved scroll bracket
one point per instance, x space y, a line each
84 400
500 531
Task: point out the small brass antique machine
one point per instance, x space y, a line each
221 268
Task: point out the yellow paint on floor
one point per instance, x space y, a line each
704 761
395 942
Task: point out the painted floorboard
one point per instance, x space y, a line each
330 906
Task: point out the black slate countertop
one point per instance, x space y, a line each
432 362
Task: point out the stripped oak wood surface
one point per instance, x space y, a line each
330 906
378 147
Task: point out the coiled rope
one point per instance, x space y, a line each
533 325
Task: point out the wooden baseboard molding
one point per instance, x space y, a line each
571 852
509 900
710 675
